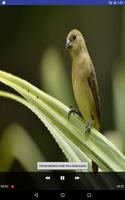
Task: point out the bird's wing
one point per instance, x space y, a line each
95 90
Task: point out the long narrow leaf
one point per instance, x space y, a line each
94 145
72 153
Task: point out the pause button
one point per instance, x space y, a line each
62 178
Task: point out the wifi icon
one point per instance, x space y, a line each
110 2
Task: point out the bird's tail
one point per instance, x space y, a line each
94 167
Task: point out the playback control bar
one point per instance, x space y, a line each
61 181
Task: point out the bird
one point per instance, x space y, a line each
84 82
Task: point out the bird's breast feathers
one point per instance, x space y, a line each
82 90
84 98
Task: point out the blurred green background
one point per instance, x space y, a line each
32 46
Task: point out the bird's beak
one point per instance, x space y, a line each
68 44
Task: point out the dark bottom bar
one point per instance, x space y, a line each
61 181
65 195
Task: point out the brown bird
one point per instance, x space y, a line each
84 81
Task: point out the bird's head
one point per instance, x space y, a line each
75 42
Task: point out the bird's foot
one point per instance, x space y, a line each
89 125
73 111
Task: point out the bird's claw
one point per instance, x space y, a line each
89 125
88 128
73 111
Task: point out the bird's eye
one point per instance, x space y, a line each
74 37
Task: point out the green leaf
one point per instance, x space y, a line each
16 143
54 115
72 153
